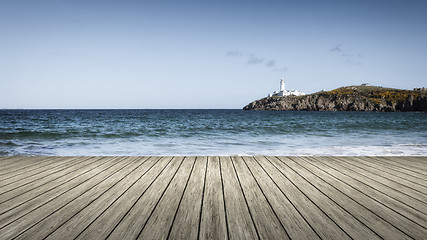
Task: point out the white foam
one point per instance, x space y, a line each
394 150
191 147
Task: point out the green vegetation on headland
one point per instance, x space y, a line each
351 98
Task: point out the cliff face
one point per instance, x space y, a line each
352 98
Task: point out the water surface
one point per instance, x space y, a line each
210 132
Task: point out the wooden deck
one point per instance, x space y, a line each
214 197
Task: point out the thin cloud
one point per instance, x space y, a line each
337 48
235 53
271 63
352 62
253 59
347 58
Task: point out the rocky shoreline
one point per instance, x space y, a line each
351 98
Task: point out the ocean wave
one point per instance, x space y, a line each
413 145
364 150
211 132
65 135
29 134
195 149
4 153
8 143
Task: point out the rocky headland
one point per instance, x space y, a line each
351 98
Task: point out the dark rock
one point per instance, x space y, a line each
352 98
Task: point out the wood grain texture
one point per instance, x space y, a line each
239 219
264 217
401 224
188 214
361 211
92 211
213 221
412 163
382 196
52 222
380 181
134 221
24 164
11 175
108 220
325 200
291 220
214 197
390 177
31 182
161 218
319 220
13 229
29 201
396 173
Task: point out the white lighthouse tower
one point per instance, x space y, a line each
284 92
282 84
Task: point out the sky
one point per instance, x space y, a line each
202 54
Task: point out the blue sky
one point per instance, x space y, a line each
202 54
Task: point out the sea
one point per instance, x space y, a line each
211 132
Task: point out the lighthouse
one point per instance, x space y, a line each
282 85
284 92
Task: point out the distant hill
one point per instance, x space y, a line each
350 98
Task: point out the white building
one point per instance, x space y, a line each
284 92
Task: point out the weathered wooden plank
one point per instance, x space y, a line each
40 162
341 216
16 189
135 219
410 175
213 223
239 219
416 172
418 159
92 211
411 163
291 220
357 209
20 205
21 167
160 221
394 189
187 218
48 224
109 219
6 158
319 220
15 161
387 214
265 219
14 175
389 177
27 175
379 194
25 202
7 161
316 197
13 229
405 168
403 179
38 176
